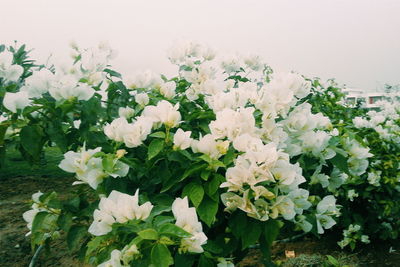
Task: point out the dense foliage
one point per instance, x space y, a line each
175 171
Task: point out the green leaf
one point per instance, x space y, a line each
155 147
173 230
194 168
3 129
238 223
65 221
195 192
160 256
205 262
44 222
113 73
205 174
207 210
31 140
108 163
213 185
75 236
340 162
332 260
251 236
148 234
184 260
158 135
271 231
161 220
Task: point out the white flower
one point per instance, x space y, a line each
89 169
325 209
182 139
67 87
186 218
230 123
16 101
168 89
254 62
164 112
114 261
101 224
39 82
284 206
231 64
8 71
145 79
351 194
117 129
126 112
209 146
142 99
118 207
374 178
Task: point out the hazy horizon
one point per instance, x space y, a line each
357 42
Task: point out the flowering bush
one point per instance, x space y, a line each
219 149
370 195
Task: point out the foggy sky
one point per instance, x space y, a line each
355 41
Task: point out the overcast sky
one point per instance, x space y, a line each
355 41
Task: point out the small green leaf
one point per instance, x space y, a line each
271 231
31 140
340 162
251 237
65 221
108 163
149 234
238 223
158 135
332 260
75 236
205 174
195 192
194 168
113 73
160 256
173 230
155 147
207 210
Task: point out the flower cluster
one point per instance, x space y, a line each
9 71
90 166
352 235
118 207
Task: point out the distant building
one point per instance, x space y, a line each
357 97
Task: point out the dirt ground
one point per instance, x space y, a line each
15 250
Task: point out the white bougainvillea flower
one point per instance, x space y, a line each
209 146
168 89
126 112
186 218
8 71
16 101
164 112
114 261
326 208
118 207
142 99
182 139
39 82
67 87
144 79
116 129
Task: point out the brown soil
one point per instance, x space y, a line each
15 250
373 255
